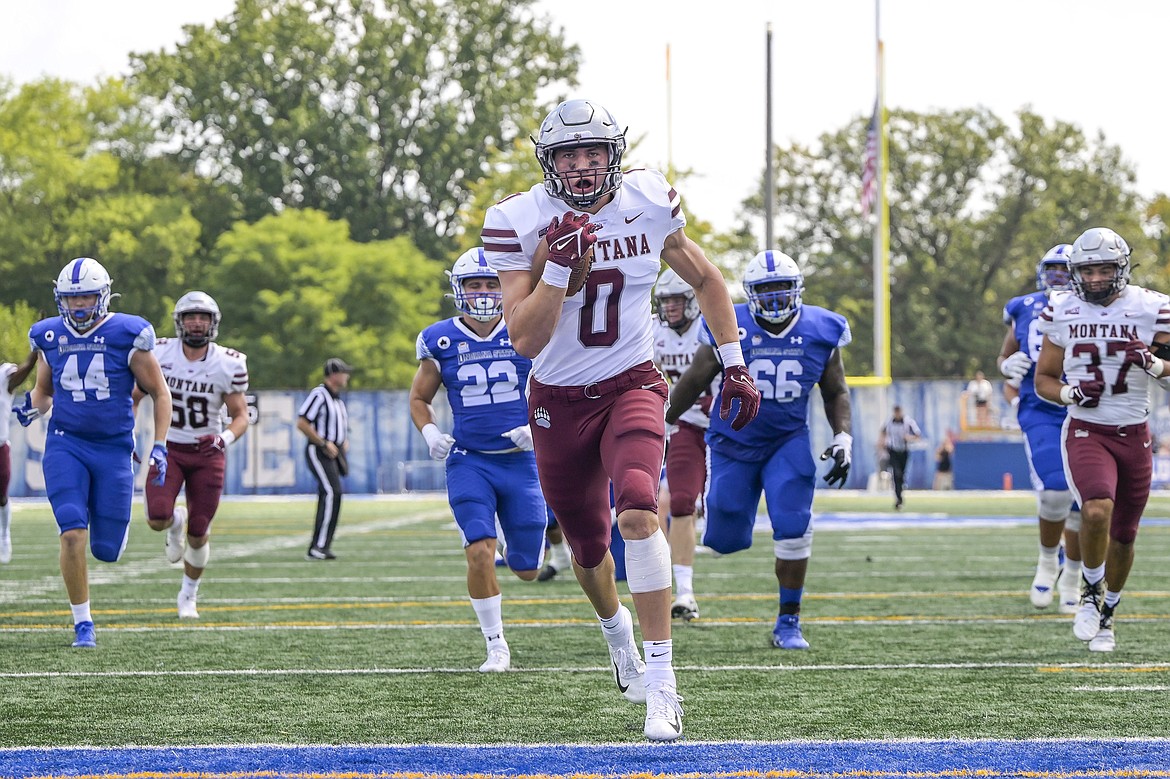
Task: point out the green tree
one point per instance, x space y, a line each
974 203
376 112
294 289
65 193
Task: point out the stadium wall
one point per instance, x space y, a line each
388 455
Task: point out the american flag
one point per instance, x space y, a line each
869 171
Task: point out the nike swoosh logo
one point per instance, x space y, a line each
563 243
630 219
658 654
618 676
674 723
650 386
1146 444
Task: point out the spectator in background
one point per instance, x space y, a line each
896 436
944 474
323 420
979 390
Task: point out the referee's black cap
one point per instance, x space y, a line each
336 365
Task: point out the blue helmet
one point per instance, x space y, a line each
1053 272
483 306
83 276
769 267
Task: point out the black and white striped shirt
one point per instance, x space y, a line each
326 413
897 430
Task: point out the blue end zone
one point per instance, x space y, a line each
1053 758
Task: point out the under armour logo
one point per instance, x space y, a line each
796 339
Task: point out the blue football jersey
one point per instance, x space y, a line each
785 367
485 380
1022 314
92 381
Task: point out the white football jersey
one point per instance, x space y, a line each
6 371
1092 337
606 328
199 387
673 354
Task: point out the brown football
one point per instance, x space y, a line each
576 278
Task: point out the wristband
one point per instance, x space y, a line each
555 276
228 438
1066 395
430 433
163 444
1157 368
731 354
843 440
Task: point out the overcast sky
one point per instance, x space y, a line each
1100 65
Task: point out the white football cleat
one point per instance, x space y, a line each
1087 622
663 713
499 658
1069 594
685 608
628 669
1044 583
176 535
187 608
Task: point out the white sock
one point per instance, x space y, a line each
684 576
1093 575
5 518
490 613
190 586
558 556
1112 598
1072 569
659 655
615 630
81 612
1049 554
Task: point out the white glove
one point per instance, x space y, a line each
521 436
1016 366
438 442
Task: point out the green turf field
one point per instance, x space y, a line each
921 629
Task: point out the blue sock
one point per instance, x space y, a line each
790 600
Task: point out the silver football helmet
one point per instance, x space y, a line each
1099 246
580 123
669 285
483 306
83 276
769 267
1052 272
196 302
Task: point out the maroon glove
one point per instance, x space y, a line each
738 385
1137 353
210 444
1087 394
570 238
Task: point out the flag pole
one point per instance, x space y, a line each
669 121
881 238
769 186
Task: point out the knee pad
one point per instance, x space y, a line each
795 548
107 549
1073 523
648 563
1054 505
197 557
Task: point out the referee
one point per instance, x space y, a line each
323 420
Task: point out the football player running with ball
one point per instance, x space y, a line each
596 401
1106 338
491 470
790 347
204 378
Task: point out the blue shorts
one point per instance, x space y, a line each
786 480
90 484
481 487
